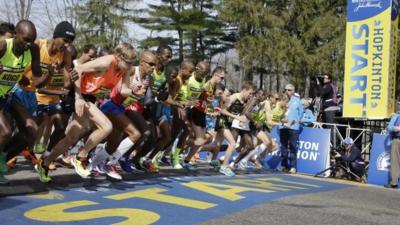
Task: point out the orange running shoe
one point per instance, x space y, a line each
11 163
30 156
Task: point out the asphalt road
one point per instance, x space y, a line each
304 199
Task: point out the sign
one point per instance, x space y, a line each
163 200
312 153
379 163
370 59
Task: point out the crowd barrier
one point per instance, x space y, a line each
379 165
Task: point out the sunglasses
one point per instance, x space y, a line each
67 41
151 64
130 62
288 89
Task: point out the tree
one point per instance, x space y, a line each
102 22
197 27
288 40
22 9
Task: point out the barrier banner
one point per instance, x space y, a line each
370 58
312 153
379 163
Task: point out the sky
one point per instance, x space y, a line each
42 18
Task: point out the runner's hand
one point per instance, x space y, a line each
74 74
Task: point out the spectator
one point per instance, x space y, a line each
289 131
394 130
308 116
351 156
328 91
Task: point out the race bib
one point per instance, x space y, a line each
241 125
9 77
103 93
130 100
57 80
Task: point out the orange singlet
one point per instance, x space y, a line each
56 81
101 85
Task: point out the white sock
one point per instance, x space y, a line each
123 147
261 148
251 153
99 156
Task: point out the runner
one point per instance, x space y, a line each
197 113
241 125
16 54
178 95
55 61
132 89
104 72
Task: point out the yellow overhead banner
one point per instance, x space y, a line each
370 59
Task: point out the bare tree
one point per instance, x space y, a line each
23 8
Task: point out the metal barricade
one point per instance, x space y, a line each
362 136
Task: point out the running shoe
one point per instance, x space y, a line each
242 165
189 167
227 171
164 161
148 165
293 171
215 164
12 163
112 171
30 156
3 162
155 163
79 167
43 172
40 148
100 168
126 165
3 179
175 162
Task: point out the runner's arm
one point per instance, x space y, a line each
37 78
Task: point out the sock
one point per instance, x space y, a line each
176 152
123 147
99 156
251 153
261 149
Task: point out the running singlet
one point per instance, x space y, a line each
194 88
278 113
13 67
158 81
195 91
130 102
101 86
56 81
183 93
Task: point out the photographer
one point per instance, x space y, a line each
329 108
351 157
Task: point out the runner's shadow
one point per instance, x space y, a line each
8 203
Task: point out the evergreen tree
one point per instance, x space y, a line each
197 27
102 23
288 38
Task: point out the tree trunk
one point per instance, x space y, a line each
180 35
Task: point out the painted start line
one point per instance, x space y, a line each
177 200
